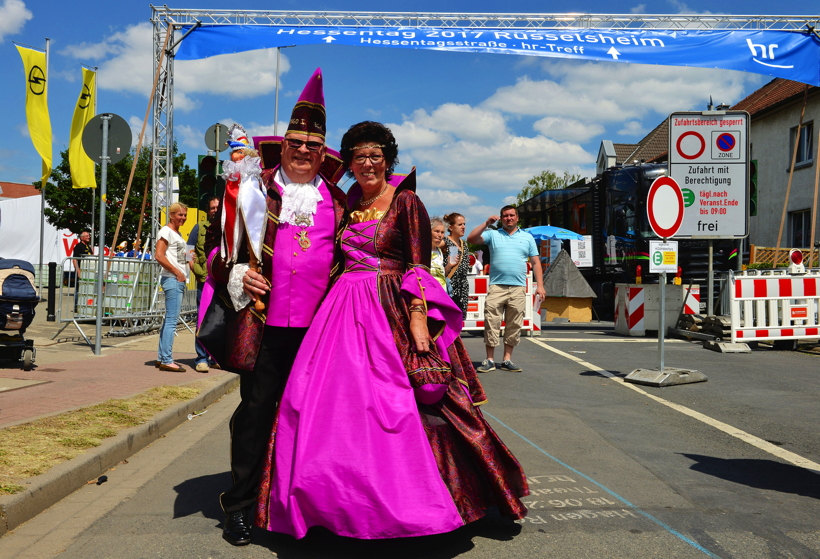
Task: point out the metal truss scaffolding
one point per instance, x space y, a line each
164 18
162 138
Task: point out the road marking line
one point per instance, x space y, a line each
757 442
607 489
616 340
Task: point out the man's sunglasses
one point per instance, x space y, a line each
297 144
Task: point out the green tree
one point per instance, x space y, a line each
547 180
70 208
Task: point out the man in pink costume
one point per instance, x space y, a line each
304 211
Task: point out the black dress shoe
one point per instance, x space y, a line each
236 530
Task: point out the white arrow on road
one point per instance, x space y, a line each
613 51
329 40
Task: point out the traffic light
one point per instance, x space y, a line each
210 181
753 187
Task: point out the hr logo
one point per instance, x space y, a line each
765 53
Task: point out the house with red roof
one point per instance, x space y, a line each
17 190
775 111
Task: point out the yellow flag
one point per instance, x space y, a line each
39 124
82 166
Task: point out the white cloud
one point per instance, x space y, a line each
410 135
13 16
469 157
632 128
504 166
472 159
243 75
194 137
639 9
448 198
545 97
476 214
469 123
431 181
135 123
604 93
441 202
188 136
568 129
125 61
683 8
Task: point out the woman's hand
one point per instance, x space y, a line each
419 331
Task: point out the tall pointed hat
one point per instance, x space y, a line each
308 116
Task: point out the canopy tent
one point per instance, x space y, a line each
542 232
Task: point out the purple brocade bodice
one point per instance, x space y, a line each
359 246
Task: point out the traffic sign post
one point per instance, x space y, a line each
709 159
107 140
665 211
663 257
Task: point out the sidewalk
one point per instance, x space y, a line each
67 375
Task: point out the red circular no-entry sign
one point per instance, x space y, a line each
664 207
698 138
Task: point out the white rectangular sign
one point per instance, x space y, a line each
709 158
581 252
663 257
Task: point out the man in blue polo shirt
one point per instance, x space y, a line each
510 249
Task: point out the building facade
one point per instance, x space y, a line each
775 112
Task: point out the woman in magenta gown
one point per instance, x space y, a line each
379 433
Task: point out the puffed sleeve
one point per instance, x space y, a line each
415 230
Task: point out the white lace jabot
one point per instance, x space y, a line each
299 200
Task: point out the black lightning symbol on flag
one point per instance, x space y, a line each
85 96
36 80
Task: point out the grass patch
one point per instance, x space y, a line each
30 449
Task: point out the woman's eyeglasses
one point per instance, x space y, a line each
375 159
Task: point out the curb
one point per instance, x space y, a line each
62 480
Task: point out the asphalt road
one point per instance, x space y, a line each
724 468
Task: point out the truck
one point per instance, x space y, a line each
611 208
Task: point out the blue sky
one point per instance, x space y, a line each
476 126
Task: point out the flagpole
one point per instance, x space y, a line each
94 190
43 194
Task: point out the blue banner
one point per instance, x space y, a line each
794 55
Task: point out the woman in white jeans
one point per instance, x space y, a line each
171 255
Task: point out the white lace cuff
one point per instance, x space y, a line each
239 298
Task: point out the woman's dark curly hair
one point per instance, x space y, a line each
370 132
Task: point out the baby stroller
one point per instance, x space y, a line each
18 297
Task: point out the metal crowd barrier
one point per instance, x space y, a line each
132 300
38 274
774 305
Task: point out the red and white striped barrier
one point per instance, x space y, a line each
479 285
629 310
773 305
692 304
